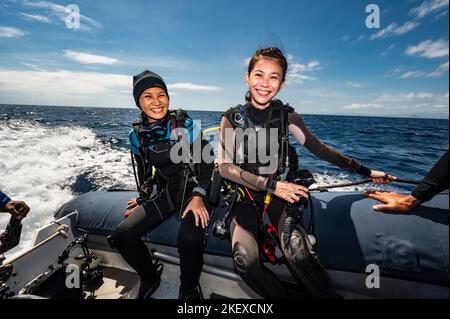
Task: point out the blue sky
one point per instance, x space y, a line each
200 47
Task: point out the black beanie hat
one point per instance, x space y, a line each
144 81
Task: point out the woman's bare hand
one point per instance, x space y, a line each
381 177
132 203
291 192
197 207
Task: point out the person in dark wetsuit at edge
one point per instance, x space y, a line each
434 182
18 209
180 187
265 78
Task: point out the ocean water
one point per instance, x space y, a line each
49 154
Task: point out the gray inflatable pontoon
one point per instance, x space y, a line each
410 250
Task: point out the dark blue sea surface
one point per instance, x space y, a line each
404 147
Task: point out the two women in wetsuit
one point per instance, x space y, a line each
181 185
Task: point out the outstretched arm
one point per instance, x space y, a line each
325 152
434 182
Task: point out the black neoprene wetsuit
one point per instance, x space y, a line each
434 182
170 180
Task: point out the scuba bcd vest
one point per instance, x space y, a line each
155 146
246 155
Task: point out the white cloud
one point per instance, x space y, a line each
33 66
368 106
389 48
63 87
356 85
305 102
424 107
7 32
412 74
412 96
312 65
192 87
437 73
393 29
429 49
443 66
59 11
35 17
87 58
297 71
423 104
427 7
440 15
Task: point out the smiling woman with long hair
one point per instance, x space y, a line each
265 78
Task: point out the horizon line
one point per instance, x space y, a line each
196 110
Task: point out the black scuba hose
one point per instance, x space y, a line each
407 181
134 172
135 179
311 218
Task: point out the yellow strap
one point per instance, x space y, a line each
267 198
242 192
216 128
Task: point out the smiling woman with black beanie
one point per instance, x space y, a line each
180 187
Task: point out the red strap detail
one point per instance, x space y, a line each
248 193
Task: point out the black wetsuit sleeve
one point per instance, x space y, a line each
3 201
11 237
434 182
2 235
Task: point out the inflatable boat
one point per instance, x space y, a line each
368 254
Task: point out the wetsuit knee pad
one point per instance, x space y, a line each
299 249
241 258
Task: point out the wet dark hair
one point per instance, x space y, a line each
271 53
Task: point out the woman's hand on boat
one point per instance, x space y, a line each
197 207
132 203
381 177
393 201
291 192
